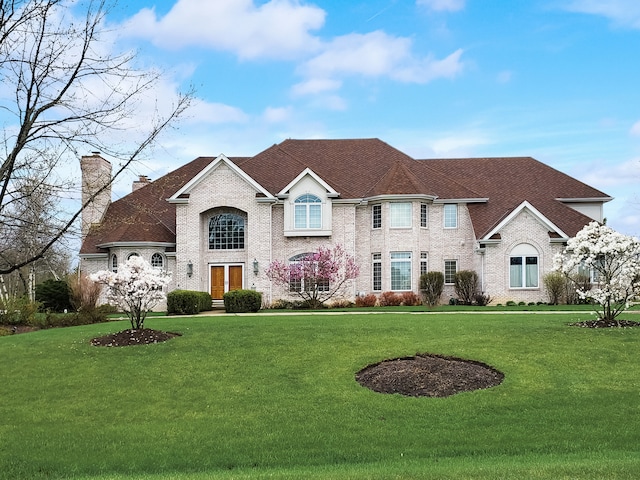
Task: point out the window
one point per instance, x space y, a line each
424 215
377 272
450 269
523 267
450 215
424 266
114 263
376 218
400 270
131 255
157 260
226 232
307 212
307 280
400 215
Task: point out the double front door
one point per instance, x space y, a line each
225 278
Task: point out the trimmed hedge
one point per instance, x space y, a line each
242 301
187 302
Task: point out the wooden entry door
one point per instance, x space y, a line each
217 282
225 278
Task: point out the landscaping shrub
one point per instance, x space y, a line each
466 286
18 311
578 282
281 304
410 299
242 301
369 300
53 295
482 300
187 302
431 286
84 294
555 284
390 299
343 303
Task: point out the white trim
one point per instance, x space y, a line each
226 266
461 200
586 200
526 205
204 172
331 193
136 245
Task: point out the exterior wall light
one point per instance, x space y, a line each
189 269
255 266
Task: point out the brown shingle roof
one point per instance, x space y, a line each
361 168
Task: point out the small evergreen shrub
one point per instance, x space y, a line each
390 299
431 287
369 300
18 311
242 301
511 303
187 302
53 295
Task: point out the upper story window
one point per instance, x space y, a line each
424 215
308 211
450 215
157 260
226 231
400 215
376 216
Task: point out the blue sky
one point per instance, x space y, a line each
558 80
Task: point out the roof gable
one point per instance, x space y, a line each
310 173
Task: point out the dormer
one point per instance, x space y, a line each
307 206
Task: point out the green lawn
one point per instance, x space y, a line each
243 397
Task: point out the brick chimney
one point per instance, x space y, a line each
141 182
96 174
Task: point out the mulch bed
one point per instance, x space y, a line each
606 324
428 375
125 338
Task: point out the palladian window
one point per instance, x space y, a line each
307 212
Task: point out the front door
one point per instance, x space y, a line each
225 278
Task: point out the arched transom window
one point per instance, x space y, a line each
157 260
308 211
226 231
523 267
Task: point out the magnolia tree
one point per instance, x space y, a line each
316 277
136 288
613 258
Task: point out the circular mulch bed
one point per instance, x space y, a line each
143 336
606 324
428 375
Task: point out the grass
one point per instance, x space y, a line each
240 397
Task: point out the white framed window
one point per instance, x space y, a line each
307 212
376 216
376 260
450 215
132 254
450 270
157 260
424 215
226 232
309 282
400 271
424 263
523 267
114 263
400 215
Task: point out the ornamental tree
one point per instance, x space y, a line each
316 277
135 288
614 261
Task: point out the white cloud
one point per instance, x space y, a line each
602 175
375 54
205 112
505 76
635 129
277 114
275 29
443 5
622 12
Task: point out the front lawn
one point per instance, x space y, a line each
262 396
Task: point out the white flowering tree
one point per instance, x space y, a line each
317 276
614 262
135 288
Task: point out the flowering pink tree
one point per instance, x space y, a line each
614 262
317 276
136 288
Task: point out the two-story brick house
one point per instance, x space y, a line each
217 222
